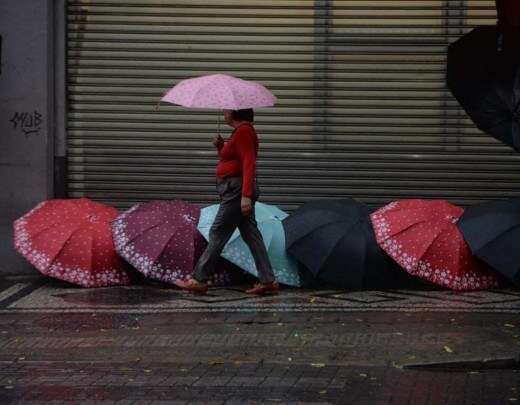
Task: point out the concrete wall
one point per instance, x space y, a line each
27 111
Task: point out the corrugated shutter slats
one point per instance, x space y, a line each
363 109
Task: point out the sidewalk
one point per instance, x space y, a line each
147 344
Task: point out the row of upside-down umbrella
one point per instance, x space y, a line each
340 243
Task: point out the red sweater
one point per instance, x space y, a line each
238 157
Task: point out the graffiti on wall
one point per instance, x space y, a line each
27 122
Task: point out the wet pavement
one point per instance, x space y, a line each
149 344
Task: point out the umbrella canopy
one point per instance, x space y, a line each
334 239
422 237
160 239
269 219
219 91
492 231
71 240
486 82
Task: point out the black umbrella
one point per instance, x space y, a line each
335 240
485 79
492 231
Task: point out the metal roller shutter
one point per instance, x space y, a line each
363 110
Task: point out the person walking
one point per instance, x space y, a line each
238 191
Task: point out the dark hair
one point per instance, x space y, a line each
246 114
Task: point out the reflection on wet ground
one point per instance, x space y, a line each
116 296
150 343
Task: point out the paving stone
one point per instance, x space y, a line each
56 347
279 381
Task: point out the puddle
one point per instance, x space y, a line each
116 296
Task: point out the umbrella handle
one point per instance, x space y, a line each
218 123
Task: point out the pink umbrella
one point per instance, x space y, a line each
219 91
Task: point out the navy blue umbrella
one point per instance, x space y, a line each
485 79
335 241
492 231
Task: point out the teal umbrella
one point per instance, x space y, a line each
269 219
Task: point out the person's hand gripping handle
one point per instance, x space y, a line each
218 141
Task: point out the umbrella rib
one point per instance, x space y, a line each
334 247
143 231
163 250
65 243
327 224
340 238
412 225
194 96
233 97
36 234
435 238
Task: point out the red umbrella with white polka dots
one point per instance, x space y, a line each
71 240
422 237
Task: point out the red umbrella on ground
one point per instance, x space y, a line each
71 240
160 239
422 237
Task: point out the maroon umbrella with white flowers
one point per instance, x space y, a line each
160 239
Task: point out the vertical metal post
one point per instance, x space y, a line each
322 22
60 97
454 24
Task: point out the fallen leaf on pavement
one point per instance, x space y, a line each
448 349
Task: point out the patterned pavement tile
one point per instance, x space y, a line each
48 296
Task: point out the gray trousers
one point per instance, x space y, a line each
229 217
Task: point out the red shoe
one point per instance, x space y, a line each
261 289
193 285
